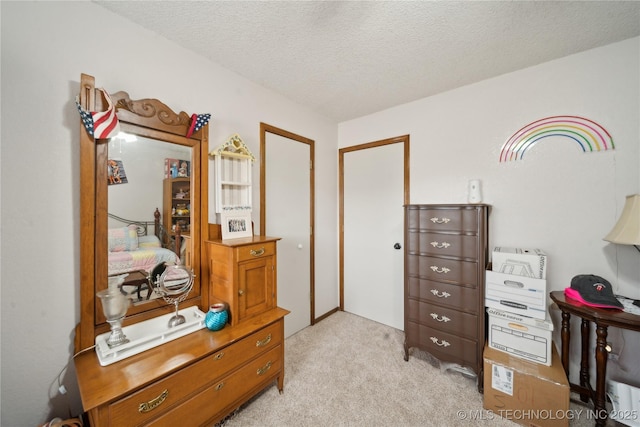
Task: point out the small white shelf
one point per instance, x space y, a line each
149 334
232 171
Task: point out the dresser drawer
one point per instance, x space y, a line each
443 345
452 296
444 270
455 245
442 318
446 219
158 397
215 400
254 251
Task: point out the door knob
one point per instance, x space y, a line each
397 246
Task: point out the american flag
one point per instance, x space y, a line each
100 124
87 119
197 121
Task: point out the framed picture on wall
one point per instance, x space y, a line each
235 225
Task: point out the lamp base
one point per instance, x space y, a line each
117 337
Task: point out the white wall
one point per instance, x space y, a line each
557 198
45 48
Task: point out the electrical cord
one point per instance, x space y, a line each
61 388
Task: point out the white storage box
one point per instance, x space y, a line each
626 403
520 262
521 336
516 294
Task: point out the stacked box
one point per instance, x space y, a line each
527 393
520 262
520 336
518 294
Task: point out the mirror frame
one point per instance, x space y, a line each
152 119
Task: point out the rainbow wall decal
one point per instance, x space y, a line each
587 133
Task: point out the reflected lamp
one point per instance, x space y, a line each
627 229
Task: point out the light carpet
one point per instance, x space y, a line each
350 371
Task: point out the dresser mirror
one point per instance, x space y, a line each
152 133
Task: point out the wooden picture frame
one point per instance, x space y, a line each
235 225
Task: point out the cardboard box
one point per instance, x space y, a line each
521 336
520 262
527 393
516 294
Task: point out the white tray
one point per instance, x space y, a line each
149 334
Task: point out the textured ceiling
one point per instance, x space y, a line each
346 59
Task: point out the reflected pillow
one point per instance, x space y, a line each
148 242
123 239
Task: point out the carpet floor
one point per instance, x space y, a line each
350 371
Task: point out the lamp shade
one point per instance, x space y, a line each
627 229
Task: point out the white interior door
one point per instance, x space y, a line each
373 223
288 202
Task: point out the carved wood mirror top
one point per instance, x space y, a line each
155 123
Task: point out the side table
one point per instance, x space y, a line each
139 280
603 318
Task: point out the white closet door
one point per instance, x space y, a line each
288 216
373 224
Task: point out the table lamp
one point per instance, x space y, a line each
627 229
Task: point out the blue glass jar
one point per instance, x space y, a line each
217 317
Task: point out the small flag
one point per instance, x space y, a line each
101 124
87 119
197 121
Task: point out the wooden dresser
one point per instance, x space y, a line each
195 380
446 255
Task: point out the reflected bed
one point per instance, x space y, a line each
131 248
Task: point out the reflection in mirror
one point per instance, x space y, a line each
146 178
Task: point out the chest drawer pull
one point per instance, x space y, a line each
437 220
439 343
264 369
443 245
219 386
219 355
153 403
259 252
262 343
444 319
440 294
437 269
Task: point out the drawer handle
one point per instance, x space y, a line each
437 269
259 252
440 294
153 403
439 343
240 292
264 369
262 343
219 386
443 245
437 220
444 319
219 355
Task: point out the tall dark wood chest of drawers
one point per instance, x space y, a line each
446 255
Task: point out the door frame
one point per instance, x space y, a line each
404 139
264 128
